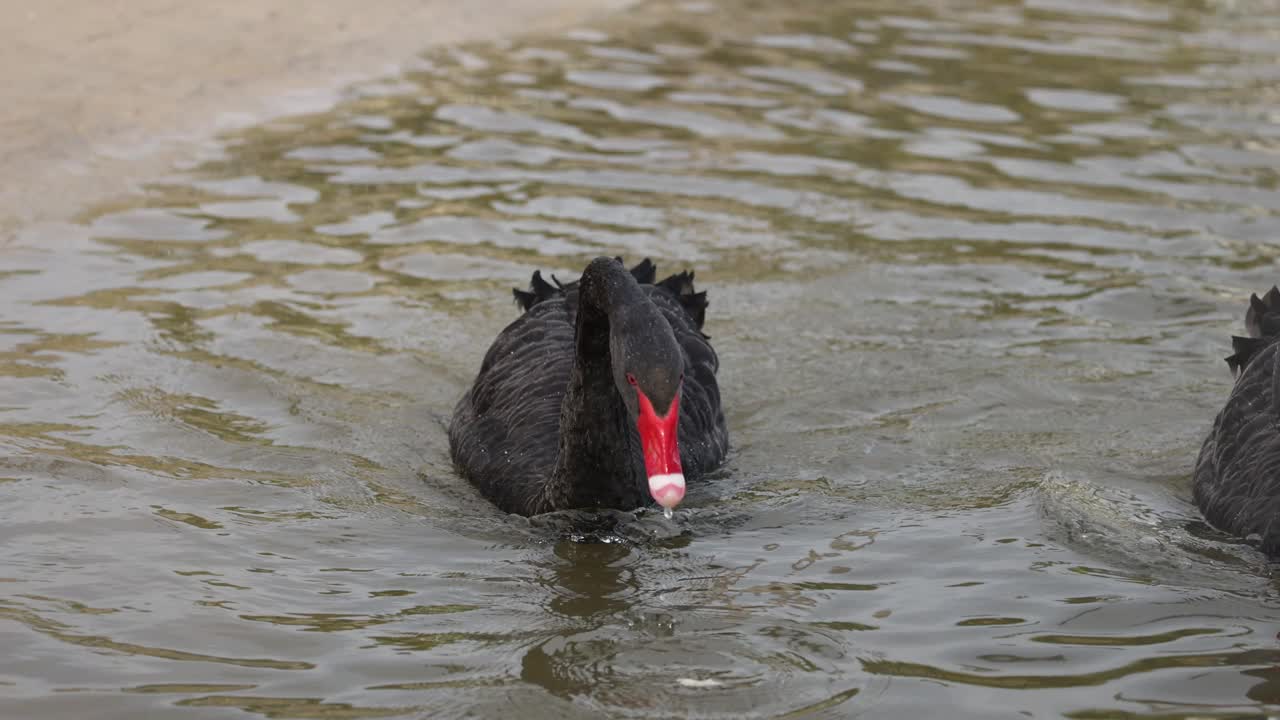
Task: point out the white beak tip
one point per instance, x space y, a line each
667 490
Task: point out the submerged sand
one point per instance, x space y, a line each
98 95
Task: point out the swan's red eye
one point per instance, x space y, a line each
631 379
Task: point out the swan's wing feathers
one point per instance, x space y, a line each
1239 465
1245 349
500 425
644 272
695 303
524 298
1272 297
539 291
1262 319
1253 316
679 284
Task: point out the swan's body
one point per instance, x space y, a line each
601 394
1237 478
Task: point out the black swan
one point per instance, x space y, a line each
601 394
1237 480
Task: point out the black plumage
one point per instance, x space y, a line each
1237 477
550 424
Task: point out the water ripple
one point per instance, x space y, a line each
972 268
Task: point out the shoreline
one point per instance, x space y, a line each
99 97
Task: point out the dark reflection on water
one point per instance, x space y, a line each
972 268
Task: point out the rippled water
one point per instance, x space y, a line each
973 268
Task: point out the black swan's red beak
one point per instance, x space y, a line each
661 451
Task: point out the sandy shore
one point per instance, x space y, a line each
96 95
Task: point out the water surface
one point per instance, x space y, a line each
973 267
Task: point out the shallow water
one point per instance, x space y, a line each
973 268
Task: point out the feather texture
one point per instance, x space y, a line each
507 431
1237 476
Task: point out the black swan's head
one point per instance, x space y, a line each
648 370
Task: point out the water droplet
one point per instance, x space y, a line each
668 513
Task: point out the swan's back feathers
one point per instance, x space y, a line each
1237 477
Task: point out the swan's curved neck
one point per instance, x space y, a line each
599 463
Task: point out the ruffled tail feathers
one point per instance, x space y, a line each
1262 321
645 273
538 291
694 302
